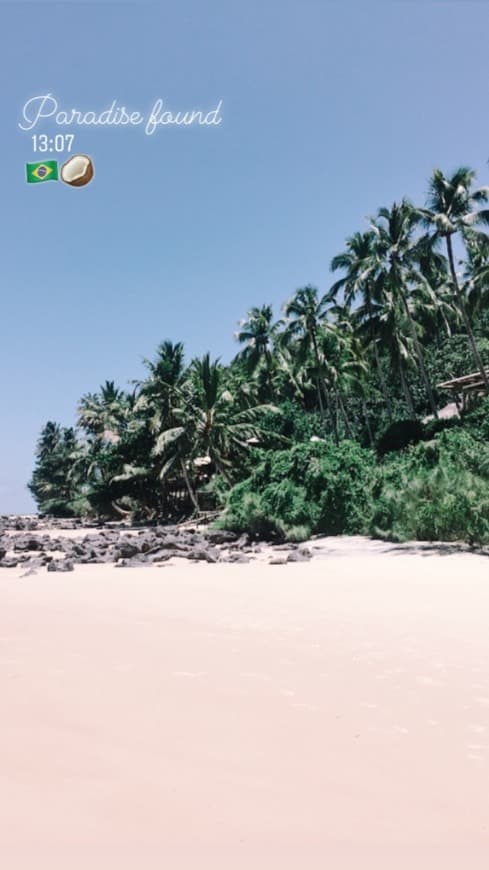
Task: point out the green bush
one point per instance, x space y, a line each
476 421
311 488
293 424
435 491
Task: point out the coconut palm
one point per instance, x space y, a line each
102 414
453 206
51 484
305 314
476 272
391 327
157 393
258 333
360 288
398 251
208 422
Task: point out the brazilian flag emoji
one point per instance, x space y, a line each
45 171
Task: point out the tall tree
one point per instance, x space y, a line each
102 414
258 333
208 420
453 206
52 484
398 251
360 288
306 313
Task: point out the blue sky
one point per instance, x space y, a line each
329 111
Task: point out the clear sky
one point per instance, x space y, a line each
329 111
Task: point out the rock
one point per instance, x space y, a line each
170 542
162 556
126 550
200 554
9 563
299 556
61 565
238 558
78 549
26 543
220 536
277 560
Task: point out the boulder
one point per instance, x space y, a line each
25 543
126 550
220 536
201 554
61 565
299 556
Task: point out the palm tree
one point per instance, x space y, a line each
51 484
208 421
258 333
476 272
294 378
305 313
360 287
167 373
398 251
102 414
346 364
394 336
453 207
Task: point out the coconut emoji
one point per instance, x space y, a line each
77 171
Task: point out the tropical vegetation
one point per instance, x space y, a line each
330 418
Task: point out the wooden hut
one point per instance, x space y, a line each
466 388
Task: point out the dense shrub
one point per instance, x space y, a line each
311 488
476 421
437 490
293 424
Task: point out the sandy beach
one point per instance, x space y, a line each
327 714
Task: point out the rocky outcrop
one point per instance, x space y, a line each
34 543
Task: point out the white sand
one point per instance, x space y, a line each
333 714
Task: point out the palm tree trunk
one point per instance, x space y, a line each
383 385
419 354
465 318
269 364
325 388
406 391
222 470
367 422
344 415
193 497
320 400
332 416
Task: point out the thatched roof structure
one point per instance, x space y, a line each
466 387
470 382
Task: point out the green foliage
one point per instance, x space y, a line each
293 424
282 436
476 421
318 487
437 490
52 484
